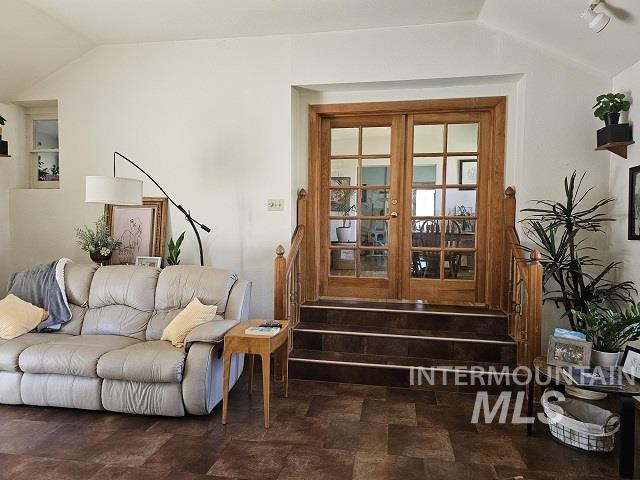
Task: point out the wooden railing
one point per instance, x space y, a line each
523 293
288 293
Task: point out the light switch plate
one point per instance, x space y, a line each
275 204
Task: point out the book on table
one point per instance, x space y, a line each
593 377
266 331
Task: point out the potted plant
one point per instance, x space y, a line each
343 204
98 242
2 122
609 331
174 250
608 107
573 278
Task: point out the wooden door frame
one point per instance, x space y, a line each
496 106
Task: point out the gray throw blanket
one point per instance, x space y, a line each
43 286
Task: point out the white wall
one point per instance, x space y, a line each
216 121
622 249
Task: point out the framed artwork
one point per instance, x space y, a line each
468 172
141 229
566 352
338 197
149 261
631 362
634 203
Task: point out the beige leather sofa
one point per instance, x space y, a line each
110 356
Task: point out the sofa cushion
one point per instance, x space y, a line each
121 301
153 362
77 281
10 350
179 284
77 355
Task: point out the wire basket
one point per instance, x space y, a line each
597 434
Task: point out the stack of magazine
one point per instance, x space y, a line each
266 329
593 377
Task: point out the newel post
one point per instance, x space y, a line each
536 271
509 223
279 283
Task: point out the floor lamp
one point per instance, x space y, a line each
128 191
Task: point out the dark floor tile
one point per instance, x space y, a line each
541 452
420 442
506 472
441 417
188 453
486 449
308 388
254 460
361 391
297 431
19 436
318 464
439 470
25 467
289 407
346 408
411 395
387 411
72 442
129 449
192 425
115 472
357 436
387 467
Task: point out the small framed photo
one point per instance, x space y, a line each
468 171
566 352
631 362
634 203
149 261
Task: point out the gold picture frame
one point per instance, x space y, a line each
141 228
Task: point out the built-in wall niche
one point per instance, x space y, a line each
43 144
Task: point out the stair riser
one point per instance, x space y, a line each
401 347
386 377
488 325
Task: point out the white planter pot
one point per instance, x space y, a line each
604 359
343 234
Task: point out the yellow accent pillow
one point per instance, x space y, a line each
193 315
18 317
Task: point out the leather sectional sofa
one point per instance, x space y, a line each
110 356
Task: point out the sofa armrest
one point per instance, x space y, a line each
239 302
210 332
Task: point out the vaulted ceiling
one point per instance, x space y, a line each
40 36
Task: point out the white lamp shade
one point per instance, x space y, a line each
113 190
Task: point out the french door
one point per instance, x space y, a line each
404 202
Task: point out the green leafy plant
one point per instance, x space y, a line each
610 103
97 240
2 120
174 250
573 278
609 330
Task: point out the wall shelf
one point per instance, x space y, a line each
5 156
619 148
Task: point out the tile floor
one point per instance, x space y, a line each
322 431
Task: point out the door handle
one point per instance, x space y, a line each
394 214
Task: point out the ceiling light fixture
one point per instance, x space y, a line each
596 21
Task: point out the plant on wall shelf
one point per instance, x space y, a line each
2 120
174 250
609 105
573 278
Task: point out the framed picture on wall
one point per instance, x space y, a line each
468 172
634 203
141 229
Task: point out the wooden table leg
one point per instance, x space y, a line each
226 366
531 386
285 368
266 378
627 436
251 358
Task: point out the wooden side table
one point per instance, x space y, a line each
236 341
